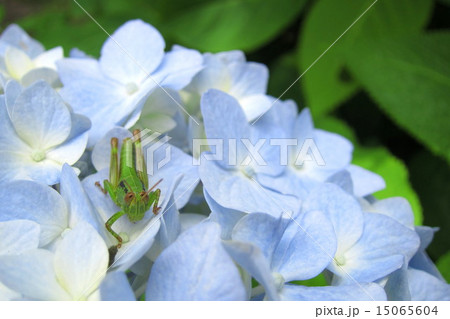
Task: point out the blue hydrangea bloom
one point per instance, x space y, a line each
39 133
232 180
25 60
313 155
370 245
196 267
112 90
72 272
231 73
279 250
54 213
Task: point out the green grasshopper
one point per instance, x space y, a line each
128 183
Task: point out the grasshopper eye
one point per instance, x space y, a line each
144 195
129 197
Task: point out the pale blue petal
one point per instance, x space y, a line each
279 121
178 67
133 51
380 250
306 248
255 106
343 211
32 274
397 208
35 202
230 56
196 267
86 89
365 182
18 236
19 166
78 54
14 35
335 150
115 287
343 179
189 220
170 226
9 141
12 91
225 120
255 263
261 230
289 183
167 162
421 260
226 218
238 192
364 292
71 150
47 74
101 154
81 261
304 126
397 286
425 287
426 235
214 76
248 78
103 100
40 116
80 207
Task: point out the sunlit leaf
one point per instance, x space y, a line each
327 83
410 80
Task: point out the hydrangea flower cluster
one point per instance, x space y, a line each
254 200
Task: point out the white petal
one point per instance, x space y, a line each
32 274
255 105
133 51
48 58
36 202
81 261
18 236
40 117
17 63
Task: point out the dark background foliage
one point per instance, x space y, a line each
385 84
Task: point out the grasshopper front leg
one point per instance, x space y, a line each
154 197
110 222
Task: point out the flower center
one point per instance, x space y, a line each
65 232
131 88
279 280
340 260
38 155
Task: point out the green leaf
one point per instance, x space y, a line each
430 176
318 281
395 174
443 264
230 24
282 73
409 78
327 83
